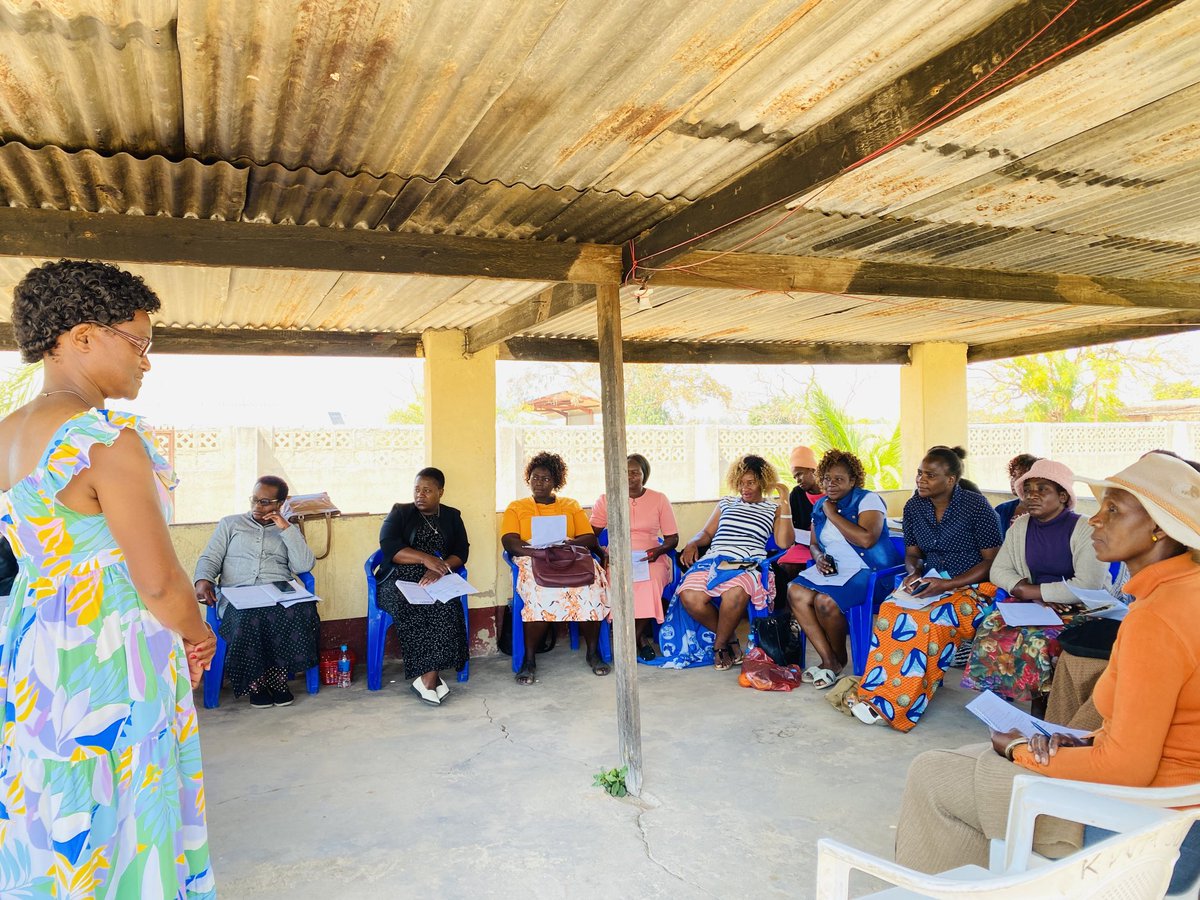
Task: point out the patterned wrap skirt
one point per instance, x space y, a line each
761 596
554 604
911 650
1016 663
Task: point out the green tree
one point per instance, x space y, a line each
1175 390
779 410
412 414
835 428
1066 386
17 387
654 394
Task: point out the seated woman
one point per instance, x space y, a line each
952 531
1011 510
723 581
422 541
1149 696
849 535
1044 554
650 517
546 473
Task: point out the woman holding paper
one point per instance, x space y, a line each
650 518
951 536
421 542
1148 697
1044 555
562 519
849 540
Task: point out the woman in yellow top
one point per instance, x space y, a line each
545 473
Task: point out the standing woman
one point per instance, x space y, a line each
951 530
101 788
545 474
650 517
422 541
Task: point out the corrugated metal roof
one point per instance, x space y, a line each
586 120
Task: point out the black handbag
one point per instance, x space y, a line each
1092 639
773 634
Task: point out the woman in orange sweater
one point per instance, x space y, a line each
1149 697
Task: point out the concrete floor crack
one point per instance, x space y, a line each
492 719
645 836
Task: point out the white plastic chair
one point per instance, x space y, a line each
1135 863
1026 797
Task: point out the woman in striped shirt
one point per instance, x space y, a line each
717 595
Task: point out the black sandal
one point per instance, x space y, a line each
722 659
599 666
647 652
734 648
527 675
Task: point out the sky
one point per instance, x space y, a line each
184 391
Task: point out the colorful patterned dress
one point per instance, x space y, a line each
101 788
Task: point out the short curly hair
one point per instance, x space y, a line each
552 463
1020 464
848 460
764 473
55 297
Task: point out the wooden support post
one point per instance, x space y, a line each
620 554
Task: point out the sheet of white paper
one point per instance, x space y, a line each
311 598
641 566
999 715
450 587
905 600
1020 614
1093 599
547 530
298 590
1116 612
415 594
248 597
803 537
837 579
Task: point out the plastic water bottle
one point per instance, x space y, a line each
343 675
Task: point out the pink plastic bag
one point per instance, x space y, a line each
760 672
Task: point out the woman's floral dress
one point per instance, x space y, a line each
101 788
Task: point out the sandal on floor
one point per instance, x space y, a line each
865 713
647 652
722 659
599 666
527 675
824 679
735 652
810 674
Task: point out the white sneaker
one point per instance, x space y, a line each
441 690
430 697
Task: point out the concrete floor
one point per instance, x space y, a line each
351 794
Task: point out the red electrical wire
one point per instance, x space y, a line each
931 121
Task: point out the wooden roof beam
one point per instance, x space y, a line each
1049 341
695 352
537 310
903 103
820 275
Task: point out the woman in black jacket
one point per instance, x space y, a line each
422 541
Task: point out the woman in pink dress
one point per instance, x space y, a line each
650 517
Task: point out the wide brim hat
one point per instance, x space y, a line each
803 458
1049 470
1168 489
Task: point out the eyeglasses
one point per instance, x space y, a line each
263 504
143 344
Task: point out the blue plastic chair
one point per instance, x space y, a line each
216 673
676 573
379 621
860 618
518 629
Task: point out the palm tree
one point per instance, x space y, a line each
834 428
18 386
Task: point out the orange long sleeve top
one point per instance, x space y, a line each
1149 695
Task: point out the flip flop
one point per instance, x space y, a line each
599 666
721 659
809 674
824 679
735 652
527 675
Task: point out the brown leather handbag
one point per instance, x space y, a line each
563 565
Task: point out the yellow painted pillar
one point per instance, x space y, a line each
460 439
933 402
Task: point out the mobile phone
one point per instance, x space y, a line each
284 587
917 586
